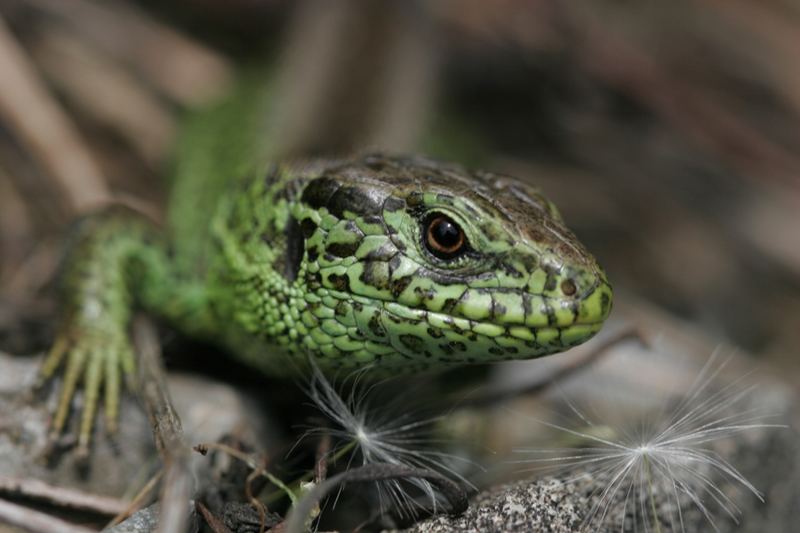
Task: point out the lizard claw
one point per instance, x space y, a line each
96 359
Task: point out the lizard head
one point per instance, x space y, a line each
416 263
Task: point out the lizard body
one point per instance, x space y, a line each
401 263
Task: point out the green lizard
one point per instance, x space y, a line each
399 263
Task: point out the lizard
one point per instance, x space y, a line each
388 262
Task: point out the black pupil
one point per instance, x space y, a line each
446 233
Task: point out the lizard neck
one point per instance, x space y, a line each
254 283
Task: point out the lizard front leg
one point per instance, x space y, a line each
117 261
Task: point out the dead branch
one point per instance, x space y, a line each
45 129
35 521
60 496
167 429
180 67
96 86
455 493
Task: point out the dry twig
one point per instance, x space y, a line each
60 496
213 522
35 521
451 490
137 500
45 129
178 66
97 86
249 494
323 451
167 429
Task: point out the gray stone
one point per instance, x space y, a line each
146 520
562 501
120 466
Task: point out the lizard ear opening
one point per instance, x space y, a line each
295 246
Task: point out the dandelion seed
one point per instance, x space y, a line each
650 471
371 433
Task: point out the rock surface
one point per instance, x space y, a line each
767 456
120 466
554 506
146 520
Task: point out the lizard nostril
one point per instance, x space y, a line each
568 287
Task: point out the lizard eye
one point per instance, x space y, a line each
444 238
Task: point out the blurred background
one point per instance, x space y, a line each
667 133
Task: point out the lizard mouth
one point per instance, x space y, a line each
553 314
454 339
406 336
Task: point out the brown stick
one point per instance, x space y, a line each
248 493
216 525
30 520
60 496
95 85
45 129
321 465
452 491
176 65
167 429
136 503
